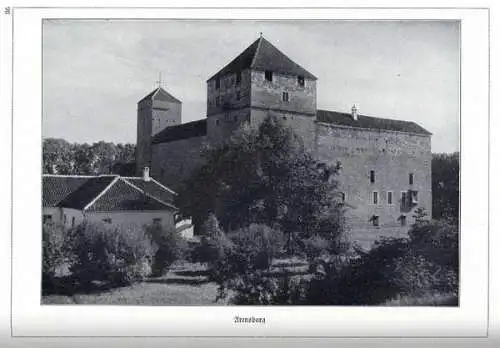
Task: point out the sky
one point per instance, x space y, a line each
95 71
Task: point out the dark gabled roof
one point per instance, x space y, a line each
161 94
87 192
153 188
345 119
105 193
262 55
57 187
181 131
122 196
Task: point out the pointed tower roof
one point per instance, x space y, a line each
161 94
262 55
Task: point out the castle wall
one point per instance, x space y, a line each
143 143
232 95
269 94
221 126
165 114
174 161
303 126
392 156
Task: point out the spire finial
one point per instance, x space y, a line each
159 82
260 34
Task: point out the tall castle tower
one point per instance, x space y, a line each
156 111
260 81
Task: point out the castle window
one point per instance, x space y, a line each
238 78
410 178
402 220
300 81
269 75
389 197
238 96
285 96
375 197
217 83
404 200
372 176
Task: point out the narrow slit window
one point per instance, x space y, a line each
217 83
372 176
410 178
389 197
285 97
238 78
375 197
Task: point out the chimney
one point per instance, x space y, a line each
145 174
354 113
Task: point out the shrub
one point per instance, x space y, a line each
246 262
213 243
170 247
117 255
54 253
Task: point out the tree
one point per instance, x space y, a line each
57 156
445 186
265 176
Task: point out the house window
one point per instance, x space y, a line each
285 96
389 197
372 176
157 221
410 178
217 83
375 197
107 220
238 96
375 220
269 75
73 221
404 199
402 220
238 78
217 101
47 218
300 81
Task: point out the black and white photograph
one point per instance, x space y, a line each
250 162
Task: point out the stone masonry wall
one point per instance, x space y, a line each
392 156
269 94
230 94
174 161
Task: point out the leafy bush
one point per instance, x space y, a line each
53 250
169 247
213 243
244 267
117 255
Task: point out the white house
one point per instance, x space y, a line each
112 199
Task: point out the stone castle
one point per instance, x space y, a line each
385 163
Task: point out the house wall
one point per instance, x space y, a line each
392 156
136 219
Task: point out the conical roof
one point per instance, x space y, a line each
262 55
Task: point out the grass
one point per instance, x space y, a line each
184 284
